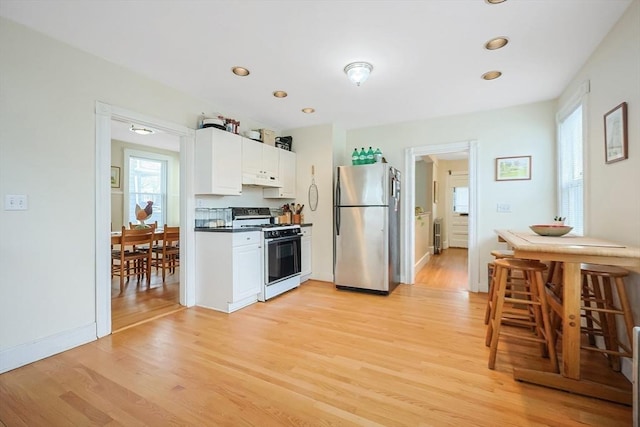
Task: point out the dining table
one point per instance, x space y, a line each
571 250
116 236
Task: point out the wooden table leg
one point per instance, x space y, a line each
571 321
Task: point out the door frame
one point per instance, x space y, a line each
104 113
408 207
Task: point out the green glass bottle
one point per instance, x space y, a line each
355 157
362 157
370 158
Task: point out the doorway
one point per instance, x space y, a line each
105 113
411 154
148 169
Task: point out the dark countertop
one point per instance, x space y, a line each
238 230
227 229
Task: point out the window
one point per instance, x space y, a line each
571 169
461 200
147 181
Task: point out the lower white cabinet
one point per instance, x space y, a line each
228 269
305 251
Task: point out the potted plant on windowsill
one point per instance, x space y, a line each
559 220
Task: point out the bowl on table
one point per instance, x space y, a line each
551 229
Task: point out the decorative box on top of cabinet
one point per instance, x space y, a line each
228 269
260 163
218 162
287 175
305 253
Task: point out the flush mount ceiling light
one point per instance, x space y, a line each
141 130
495 1
240 71
496 43
358 72
308 110
280 94
490 75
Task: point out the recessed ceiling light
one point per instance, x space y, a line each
141 130
496 43
490 75
240 71
280 94
495 1
308 110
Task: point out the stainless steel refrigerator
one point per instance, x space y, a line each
367 228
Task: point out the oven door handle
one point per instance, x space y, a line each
283 239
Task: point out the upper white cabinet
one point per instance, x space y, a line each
218 162
287 175
260 164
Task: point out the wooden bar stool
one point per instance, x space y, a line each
513 278
600 310
532 298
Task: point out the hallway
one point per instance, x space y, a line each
447 270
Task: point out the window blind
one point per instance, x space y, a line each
571 170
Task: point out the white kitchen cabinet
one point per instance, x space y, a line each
287 175
305 254
218 162
228 269
260 164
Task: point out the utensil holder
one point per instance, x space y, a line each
296 218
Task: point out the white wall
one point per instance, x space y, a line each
47 138
521 130
613 196
314 146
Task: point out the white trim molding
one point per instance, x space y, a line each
408 202
104 114
33 351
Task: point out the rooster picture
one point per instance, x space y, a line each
144 214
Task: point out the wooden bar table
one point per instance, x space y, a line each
571 250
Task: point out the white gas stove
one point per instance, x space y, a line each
281 250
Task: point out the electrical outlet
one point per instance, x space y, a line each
503 208
15 202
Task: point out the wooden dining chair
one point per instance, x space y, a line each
134 256
167 254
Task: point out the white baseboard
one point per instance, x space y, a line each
422 262
33 351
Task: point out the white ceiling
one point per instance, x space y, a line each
166 141
428 55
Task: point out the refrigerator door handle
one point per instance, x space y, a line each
337 207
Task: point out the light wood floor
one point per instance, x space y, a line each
138 303
447 270
314 356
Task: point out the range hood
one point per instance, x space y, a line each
260 180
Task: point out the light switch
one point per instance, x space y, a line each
503 208
15 202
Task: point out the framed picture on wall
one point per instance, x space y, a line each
115 177
615 134
513 168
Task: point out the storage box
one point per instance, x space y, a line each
268 137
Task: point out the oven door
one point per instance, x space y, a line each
282 258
